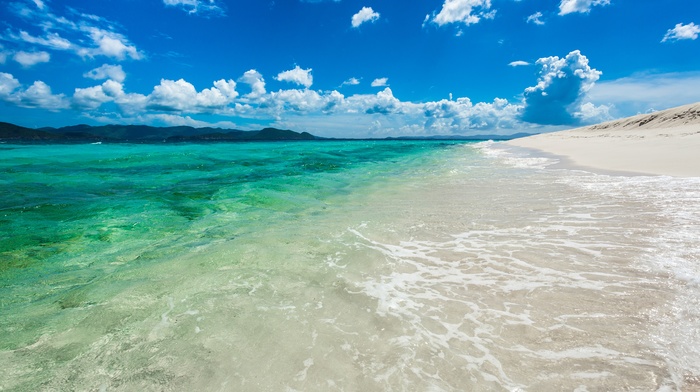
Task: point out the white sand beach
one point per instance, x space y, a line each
661 143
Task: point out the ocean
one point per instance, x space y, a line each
342 266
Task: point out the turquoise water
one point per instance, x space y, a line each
71 214
386 265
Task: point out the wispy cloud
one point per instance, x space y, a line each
85 35
646 91
204 8
351 82
535 18
518 63
681 31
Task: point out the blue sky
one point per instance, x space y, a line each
347 68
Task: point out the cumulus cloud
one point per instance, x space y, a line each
581 6
181 95
518 63
681 31
562 84
28 59
39 95
535 18
8 84
463 11
255 80
380 82
297 75
90 98
106 71
383 102
295 101
450 117
198 7
366 14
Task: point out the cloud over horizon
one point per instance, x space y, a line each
561 86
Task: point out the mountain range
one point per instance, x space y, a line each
149 134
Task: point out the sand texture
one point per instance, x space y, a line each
661 143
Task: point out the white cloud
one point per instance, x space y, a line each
227 88
181 95
90 98
681 31
589 113
383 102
39 95
297 75
351 82
518 63
83 34
561 87
299 101
201 7
463 11
28 59
643 92
535 18
566 93
380 82
366 14
255 80
106 71
8 84
582 6
52 40
112 44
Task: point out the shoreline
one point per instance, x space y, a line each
665 143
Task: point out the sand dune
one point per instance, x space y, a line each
661 143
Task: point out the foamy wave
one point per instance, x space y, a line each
675 204
509 156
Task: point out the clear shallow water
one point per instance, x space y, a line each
341 266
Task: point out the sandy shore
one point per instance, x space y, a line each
662 143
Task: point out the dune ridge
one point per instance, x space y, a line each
666 142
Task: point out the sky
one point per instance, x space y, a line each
346 68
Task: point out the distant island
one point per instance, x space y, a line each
150 134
